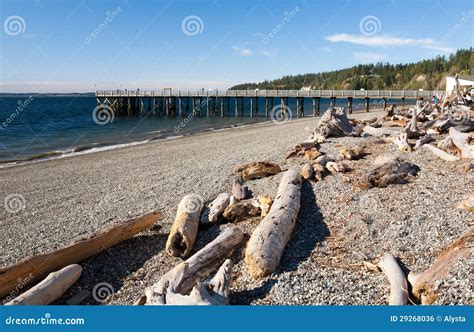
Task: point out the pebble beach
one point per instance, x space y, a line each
339 226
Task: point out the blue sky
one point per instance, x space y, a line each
78 45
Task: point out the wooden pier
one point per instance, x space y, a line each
167 102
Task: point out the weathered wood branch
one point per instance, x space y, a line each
440 153
258 169
184 277
239 191
398 282
462 141
51 288
423 286
185 227
37 267
215 209
268 240
402 143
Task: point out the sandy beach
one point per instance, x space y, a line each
338 227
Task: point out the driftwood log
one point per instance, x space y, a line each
240 211
398 282
51 288
215 209
333 123
424 140
440 153
357 152
185 227
402 143
239 191
379 132
389 170
257 170
265 247
462 141
300 149
37 267
423 284
186 275
264 203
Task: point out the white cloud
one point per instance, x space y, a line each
242 51
374 41
369 56
266 53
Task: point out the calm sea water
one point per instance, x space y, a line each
45 126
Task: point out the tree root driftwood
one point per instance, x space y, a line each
333 123
423 284
387 171
185 227
257 170
36 267
181 285
398 282
266 244
51 288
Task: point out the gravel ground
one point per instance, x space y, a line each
338 227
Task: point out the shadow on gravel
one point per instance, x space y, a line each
247 296
108 269
310 229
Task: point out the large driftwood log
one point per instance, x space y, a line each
212 292
389 170
37 267
333 123
185 227
185 276
239 191
51 288
268 240
258 169
440 153
423 284
215 209
398 282
462 141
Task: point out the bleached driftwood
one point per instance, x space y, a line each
319 171
333 123
307 171
215 209
355 153
264 203
467 203
379 132
258 169
185 227
402 143
51 288
212 292
36 267
423 285
300 149
424 140
312 154
334 167
186 275
240 211
440 153
462 141
267 242
389 170
239 191
398 282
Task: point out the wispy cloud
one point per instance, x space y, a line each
369 56
266 53
374 41
242 51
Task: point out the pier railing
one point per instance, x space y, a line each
390 94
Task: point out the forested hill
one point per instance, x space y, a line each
425 74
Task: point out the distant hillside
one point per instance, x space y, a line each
425 74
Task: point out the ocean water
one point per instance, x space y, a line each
38 126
